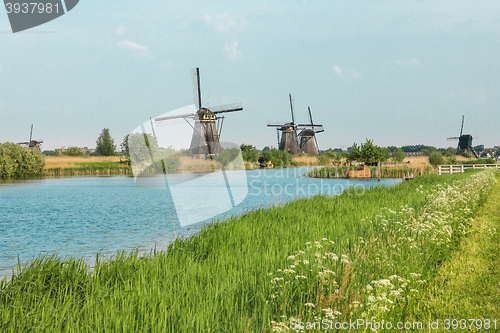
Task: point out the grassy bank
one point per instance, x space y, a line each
80 166
385 172
352 256
468 285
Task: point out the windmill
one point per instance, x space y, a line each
33 144
307 144
205 140
289 141
464 141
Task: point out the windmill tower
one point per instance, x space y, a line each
206 138
307 144
464 141
289 139
33 144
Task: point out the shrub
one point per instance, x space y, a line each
399 155
74 151
435 158
17 161
466 154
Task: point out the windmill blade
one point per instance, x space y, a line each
310 125
227 108
276 123
310 115
186 115
462 128
453 138
31 132
292 107
195 76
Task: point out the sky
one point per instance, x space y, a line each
396 72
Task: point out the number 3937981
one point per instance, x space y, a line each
25 14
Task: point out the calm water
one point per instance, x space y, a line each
81 216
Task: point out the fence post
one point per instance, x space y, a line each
462 168
439 170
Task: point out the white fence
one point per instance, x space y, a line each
448 169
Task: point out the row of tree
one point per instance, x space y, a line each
17 161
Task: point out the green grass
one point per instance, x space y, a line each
219 279
385 172
91 168
468 285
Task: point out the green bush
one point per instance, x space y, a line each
17 161
249 153
466 155
399 155
435 158
74 151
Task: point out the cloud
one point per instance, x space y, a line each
225 22
231 51
134 47
338 70
408 63
346 73
121 29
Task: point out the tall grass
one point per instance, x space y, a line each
90 168
220 280
385 172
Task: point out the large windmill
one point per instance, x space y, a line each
464 141
289 140
205 140
307 144
33 144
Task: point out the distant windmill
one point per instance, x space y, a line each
205 140
33 144
464 141
289 141
307 145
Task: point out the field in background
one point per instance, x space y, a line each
422 161
53 162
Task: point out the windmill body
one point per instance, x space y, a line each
288 141
307 144
308 141
205 139
207 122
464 142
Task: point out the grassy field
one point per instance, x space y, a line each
93 165
324 260
468 285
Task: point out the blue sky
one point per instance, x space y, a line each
397 72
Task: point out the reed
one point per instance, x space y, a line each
221 279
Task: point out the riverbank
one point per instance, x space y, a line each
60 166
385 172
467 286
312 257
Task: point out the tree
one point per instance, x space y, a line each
74 151
435 158
105 144
141 148
399 155
367 153
124 145
249 153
